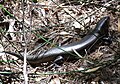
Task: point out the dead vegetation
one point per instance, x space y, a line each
29 27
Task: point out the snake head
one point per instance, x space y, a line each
102 26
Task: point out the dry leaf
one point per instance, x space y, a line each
64 33
92 70
55 81
119 24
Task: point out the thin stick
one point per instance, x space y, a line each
25 52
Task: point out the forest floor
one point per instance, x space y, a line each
32 27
